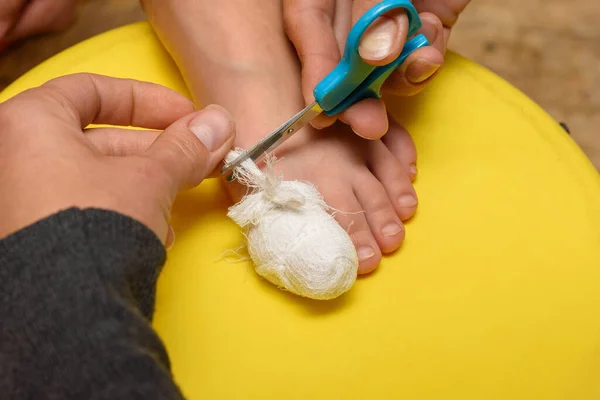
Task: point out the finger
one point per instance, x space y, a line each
418 69
309 26
368 118
41 16
421 62
190 149
422 65
342 22
90 98
323 121
10 13
117 142
447 11
383 41
433 29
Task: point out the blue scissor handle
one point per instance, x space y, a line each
353 79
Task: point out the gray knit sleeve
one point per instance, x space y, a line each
76 297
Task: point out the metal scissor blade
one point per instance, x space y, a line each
275 138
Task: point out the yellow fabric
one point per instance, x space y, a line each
494 295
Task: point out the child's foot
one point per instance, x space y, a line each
367 182
252 70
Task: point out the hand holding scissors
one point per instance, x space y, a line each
351 81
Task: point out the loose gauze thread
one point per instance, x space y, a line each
292 239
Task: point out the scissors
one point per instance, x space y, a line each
351 81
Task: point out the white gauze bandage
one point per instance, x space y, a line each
292 239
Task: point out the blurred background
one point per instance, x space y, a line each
549 49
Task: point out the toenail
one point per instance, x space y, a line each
413 170
407 200
364 253
391 230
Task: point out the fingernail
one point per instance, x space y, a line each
364 253
376 137
378 42
318 125
170 238
420 70
357 134
407 200
212 127
412 169
391 230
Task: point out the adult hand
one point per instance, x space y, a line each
22 18
49 161
318 30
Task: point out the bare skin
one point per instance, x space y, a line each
237 54
22 18
253 72
108 168
318 29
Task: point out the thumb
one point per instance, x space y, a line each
192 147
383 41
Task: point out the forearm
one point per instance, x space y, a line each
233 53
77 293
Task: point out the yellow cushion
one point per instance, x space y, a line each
494 295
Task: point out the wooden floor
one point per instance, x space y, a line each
550 49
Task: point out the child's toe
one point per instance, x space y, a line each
400 144
379 212
394 178
351 217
